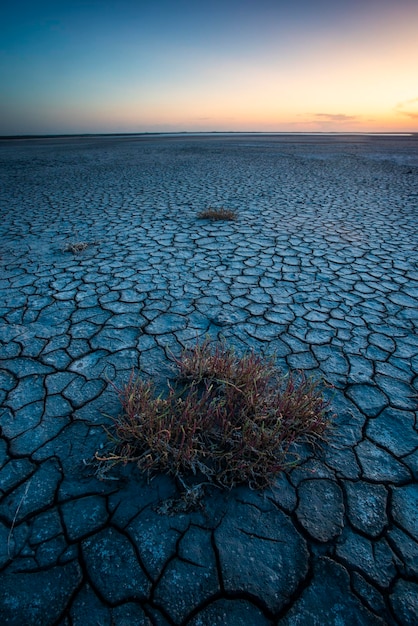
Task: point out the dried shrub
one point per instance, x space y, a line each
217 214
230 418
76 247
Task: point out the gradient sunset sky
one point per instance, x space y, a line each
73 66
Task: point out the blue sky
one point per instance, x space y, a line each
134 66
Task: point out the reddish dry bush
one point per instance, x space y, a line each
229 418
217 214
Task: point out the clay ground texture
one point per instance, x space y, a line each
320 267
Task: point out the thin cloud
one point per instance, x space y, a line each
408 108
335 117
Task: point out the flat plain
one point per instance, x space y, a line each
105 268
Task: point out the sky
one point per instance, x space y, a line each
126 66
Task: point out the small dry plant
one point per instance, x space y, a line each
217 214
76 247
230 418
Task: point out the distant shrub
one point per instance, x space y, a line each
76 246
217 214
231 419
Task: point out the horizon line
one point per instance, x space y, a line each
205 132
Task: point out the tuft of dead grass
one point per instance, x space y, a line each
217 214
76 247
229 418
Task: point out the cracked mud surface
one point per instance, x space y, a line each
320 268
